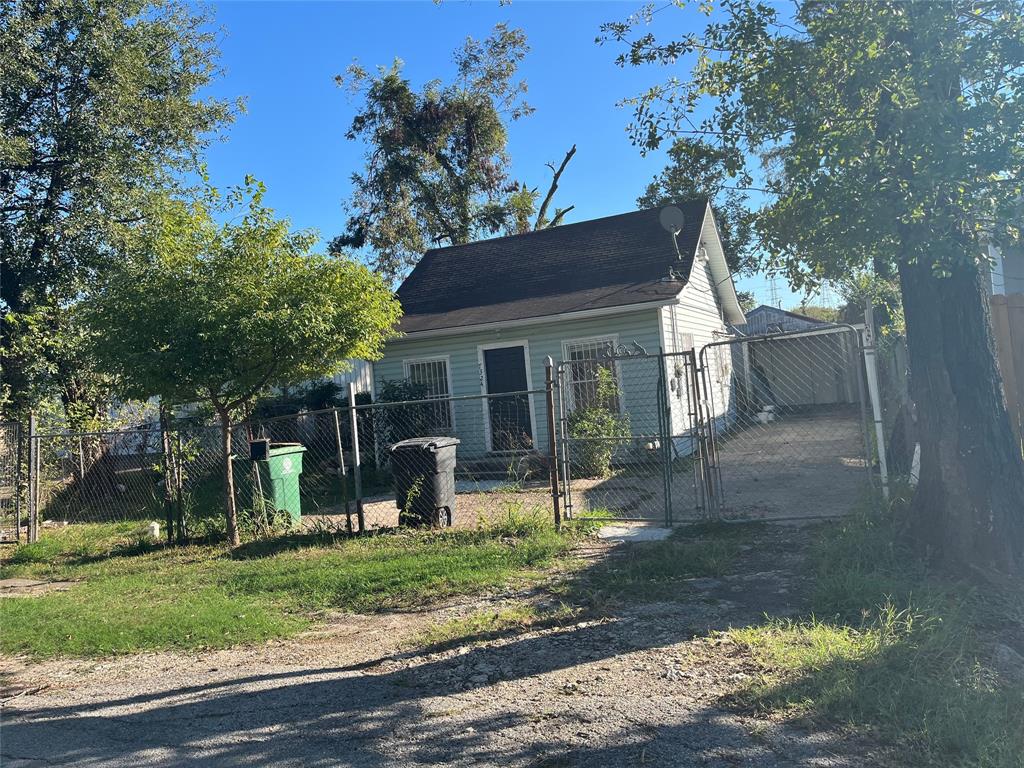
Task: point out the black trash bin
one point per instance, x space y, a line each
424 473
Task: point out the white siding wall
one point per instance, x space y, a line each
696 319
360 373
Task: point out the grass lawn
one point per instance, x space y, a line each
895 648
131 595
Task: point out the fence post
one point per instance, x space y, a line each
179 485
357 470
168 468
19 456
549 394
33 479
343 478
871 368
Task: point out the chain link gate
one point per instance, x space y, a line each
786 422
630 442
759 427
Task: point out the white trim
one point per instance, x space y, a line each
480 349
582 314
724 286
447 360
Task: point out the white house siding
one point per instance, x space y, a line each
543 339
696 321
360 373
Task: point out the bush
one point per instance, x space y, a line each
597 428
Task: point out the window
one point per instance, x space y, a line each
432 375
585 359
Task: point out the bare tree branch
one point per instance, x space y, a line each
542 213
559 213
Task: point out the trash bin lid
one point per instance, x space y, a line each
424 444
279 449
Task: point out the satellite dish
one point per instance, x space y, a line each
672 219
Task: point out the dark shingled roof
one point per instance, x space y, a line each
610 262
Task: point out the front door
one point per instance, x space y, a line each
508 416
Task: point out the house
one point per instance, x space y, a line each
767 319
482 318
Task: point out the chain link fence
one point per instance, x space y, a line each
349 467
748 427
11 454
792 441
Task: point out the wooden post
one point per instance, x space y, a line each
357 471
549 394
342 476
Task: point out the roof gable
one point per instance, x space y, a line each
613 261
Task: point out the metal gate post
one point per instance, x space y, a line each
567 508
19 456
549 396
664 436
33 480
357 470
168 472
874 392
342 476
179 487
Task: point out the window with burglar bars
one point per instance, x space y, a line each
586 358
432 375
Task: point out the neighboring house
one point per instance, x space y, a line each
766 319
826 361
1006 272
359 373
481 318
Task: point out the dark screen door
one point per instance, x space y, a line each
509 416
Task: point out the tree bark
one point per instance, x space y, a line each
969 504
229 478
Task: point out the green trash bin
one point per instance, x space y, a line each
279 466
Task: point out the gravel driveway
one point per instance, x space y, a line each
643 685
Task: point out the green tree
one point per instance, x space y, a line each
99 106
436 163
891 135
825 314
221 313
696 170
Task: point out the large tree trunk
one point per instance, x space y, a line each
229 479
969 504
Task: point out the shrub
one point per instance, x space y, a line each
597 428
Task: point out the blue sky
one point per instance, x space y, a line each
282 58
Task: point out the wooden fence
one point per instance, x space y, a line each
1008 326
